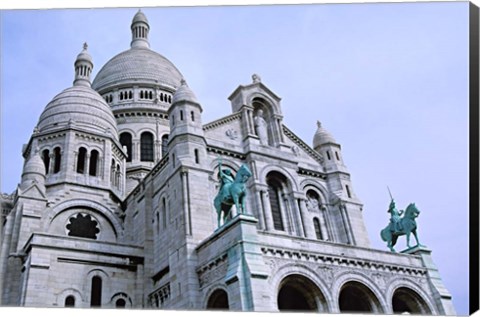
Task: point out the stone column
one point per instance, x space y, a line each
323 224
135 150
186 207
100 167
51 165
297 216
307 220
75 161
260 209
87 164
248 120
280 132
286 219
266 210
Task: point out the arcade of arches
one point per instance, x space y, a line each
299 293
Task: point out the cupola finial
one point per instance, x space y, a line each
140 29
83 68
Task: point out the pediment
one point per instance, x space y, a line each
301 149
227 130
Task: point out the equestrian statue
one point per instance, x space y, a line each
232 191
400 225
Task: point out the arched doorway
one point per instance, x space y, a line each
405 300
298 293
356 297
218 300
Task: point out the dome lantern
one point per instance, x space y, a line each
140 29
83 68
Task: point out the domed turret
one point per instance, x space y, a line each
184 93
322 137
325 144
79 105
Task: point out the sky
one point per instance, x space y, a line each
388 80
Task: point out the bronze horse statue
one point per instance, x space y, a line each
406 223
231 193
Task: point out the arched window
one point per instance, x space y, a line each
82 155
318 231
57 160
164 144
181 115
276 183
146 147
46 159
96 293
70 301
126 140
93 163
192 115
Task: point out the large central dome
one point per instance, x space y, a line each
138 65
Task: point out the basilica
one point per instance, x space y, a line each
128 199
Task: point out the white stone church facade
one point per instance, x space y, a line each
115 206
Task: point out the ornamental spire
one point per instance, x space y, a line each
140 28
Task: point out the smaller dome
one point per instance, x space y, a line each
34 168
184 93
322 137
139 17
81 107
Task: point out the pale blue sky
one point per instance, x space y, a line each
389 81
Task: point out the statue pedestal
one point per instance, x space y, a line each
237 243
442 297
